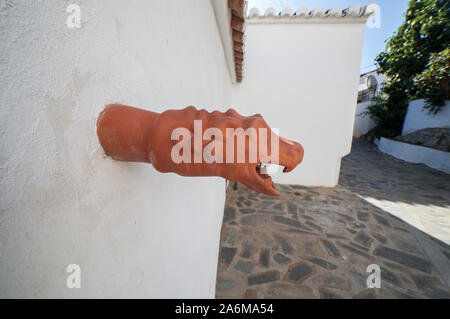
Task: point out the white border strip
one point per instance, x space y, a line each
436 159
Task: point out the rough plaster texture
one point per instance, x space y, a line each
417 117
133 231
129 227
303 77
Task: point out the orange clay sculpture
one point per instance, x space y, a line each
130 134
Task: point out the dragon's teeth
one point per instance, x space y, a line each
270 169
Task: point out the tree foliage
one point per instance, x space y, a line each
409 62
432 83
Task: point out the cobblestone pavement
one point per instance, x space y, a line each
315 242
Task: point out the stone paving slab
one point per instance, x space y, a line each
315 242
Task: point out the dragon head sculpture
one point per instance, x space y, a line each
192 142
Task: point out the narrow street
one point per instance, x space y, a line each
314 242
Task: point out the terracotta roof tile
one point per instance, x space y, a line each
238 10
238 47
237 7
238 36
237 23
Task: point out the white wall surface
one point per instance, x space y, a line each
363 122
134 232
303 78
416 154
417 118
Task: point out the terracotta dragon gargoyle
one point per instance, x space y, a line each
193 142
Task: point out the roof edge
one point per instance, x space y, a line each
318 15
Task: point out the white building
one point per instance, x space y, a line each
370 84
133 231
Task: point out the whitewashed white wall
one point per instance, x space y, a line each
436 159
417 117
303 78
363 122
134 232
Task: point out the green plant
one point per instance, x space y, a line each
424 33
388 118
432 83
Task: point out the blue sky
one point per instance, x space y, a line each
392 15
